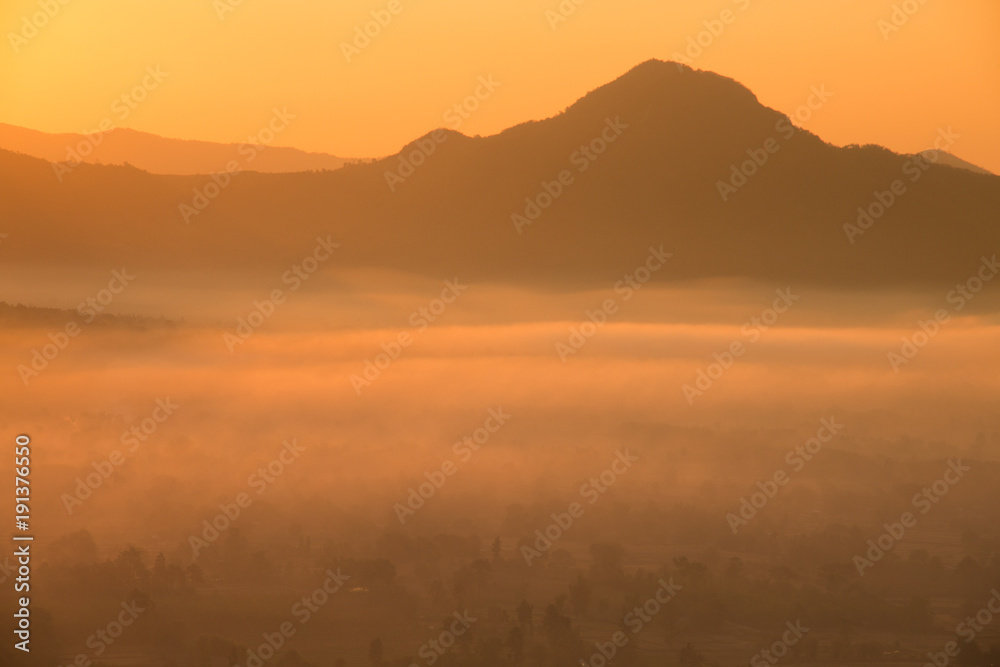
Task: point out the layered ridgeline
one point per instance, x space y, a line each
159 155
663 155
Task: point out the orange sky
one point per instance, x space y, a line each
941 68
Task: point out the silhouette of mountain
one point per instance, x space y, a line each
672 137
16 315
946 158
155 154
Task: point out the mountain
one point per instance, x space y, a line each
674 135
155 154
946 158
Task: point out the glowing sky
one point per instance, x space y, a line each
940 68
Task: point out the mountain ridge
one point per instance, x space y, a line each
455 213
153 153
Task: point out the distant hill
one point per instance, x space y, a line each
17 316
681 133
156 154
946 158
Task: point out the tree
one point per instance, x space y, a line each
556 623
481 572
606 560
132 572
375 652
689 657
579 595
515 643
195 575
525 612
161 578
